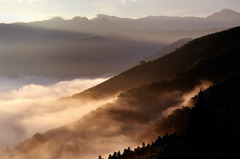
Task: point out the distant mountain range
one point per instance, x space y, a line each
224 19
111 24
147 91
62 48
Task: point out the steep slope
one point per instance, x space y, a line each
203 73
134 112
165 67
212 131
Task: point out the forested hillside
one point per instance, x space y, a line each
212 132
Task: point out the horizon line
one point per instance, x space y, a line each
101 14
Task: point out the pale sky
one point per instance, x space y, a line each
32 10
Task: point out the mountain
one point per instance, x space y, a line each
211 132
44 48
225 15
109 26
152 28
126 121
93 56
224 19
105 25
168 49
165 67
81 25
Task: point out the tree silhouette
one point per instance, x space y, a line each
142 62
100 157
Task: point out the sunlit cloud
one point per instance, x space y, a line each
60 89
119 120
188 96
34 108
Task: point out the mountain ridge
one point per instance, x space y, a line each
225 18
137 76
222 19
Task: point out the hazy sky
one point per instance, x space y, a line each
30 10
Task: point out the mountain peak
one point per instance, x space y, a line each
229 11
225 14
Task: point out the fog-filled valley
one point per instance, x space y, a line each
30 108
80 88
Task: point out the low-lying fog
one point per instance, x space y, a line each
28 104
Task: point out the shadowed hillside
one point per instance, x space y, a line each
212 131
167 66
